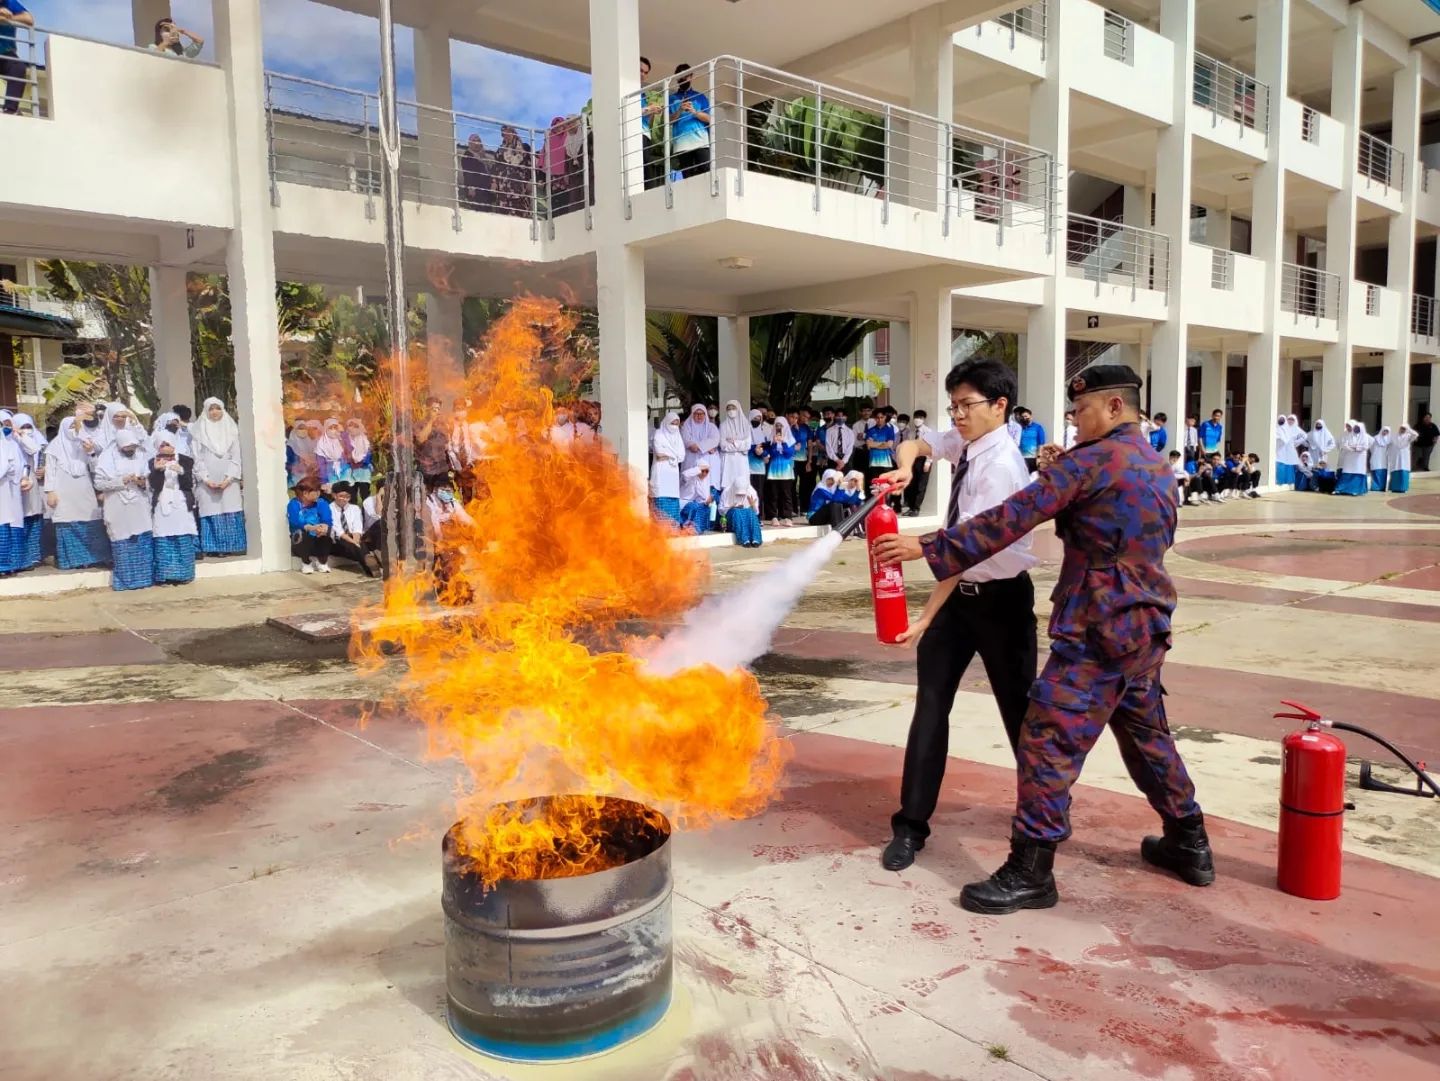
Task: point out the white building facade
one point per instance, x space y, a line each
1030 168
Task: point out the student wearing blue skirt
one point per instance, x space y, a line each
14 483
698 514
174 533
1380 460
31 442
80 539
1399 463
741 506
1354 460
122 477
668 447
217 476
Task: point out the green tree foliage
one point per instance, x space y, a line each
791 351
119 297
851 140
683 350
71 384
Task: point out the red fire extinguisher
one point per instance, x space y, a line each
1312 809
887 580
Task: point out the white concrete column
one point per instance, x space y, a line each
1174 155
1347 75
930 331
170 331
144 14
1136 213
734 356
1042 359
932 92
1405 133
1266 385
902 368
1212 382
1434 404
439 161
1285 401
614 73
250 265
445 343
620 275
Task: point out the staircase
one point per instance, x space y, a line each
1080 355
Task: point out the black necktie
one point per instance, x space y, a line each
952 516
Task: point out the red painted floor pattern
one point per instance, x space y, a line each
1402 557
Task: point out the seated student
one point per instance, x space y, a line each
1209 475
850 495
310 539
698 514
447 520
372 513
347 528
741 506
1183 494
175 530
1304 473
1253 491
824 510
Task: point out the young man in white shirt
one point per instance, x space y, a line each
989 609
915 491
347 528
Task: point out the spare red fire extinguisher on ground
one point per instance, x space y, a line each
887 580
1312 802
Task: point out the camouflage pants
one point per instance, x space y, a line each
1071 702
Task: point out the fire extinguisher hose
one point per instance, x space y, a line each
1425 778
857 516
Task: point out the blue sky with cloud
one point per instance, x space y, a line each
334 46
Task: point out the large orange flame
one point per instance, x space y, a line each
522 669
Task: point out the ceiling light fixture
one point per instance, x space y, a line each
1247 18
737 262
1244 178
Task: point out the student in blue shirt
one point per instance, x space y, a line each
1158 436
689 112
310 536
13 69
1032 437
880 442
1212 433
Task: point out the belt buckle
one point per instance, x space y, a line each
969 589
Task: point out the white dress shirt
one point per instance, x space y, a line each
996 472
348 520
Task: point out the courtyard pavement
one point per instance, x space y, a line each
212 871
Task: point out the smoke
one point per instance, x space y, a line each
731 630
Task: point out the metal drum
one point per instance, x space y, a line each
543 969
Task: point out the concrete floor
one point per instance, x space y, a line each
213 872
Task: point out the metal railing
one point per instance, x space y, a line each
1230 94
1029 22
22 89
1372 299
1310 125
1379 162
1222 269
1119 37
1425 173
1109 251
1089 354
1423 315
731 114
329 137
1306 291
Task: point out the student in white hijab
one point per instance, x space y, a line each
15 481
741 506
330 456
702 442
734 446
760 433
122 476
1354 476
168 425
824 508
31 442
669 451
219 499
173 530
1286 456
699 511
1399 464
1380 460
1321 444
300 458
80 539
780 474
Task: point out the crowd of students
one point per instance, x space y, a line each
100 491
1354 464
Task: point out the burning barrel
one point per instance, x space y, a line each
547 968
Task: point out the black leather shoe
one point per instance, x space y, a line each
1024 881
900 852
1183 851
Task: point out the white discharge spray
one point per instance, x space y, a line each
731 630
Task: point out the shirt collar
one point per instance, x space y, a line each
987 442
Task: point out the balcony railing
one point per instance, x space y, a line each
21 88
1119 37
1110 251
329 137
1029 22
1310 125
1230 94
1222 269
733 114
1308 292
1380 163
1372 299
1423 315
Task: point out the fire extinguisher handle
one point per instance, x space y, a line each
1304 712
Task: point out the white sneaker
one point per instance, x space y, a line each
323 568
306 568
1191 501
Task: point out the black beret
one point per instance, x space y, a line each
1103 377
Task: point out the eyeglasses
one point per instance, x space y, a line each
962 409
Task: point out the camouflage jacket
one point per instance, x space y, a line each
1113 501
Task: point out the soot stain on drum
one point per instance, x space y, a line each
211 781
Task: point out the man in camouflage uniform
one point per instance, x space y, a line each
1113 501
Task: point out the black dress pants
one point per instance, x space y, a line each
999 624
306 546
920 482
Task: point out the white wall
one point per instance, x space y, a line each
131 134
1239 308
1000 42
1140 86
1323 159
1381 330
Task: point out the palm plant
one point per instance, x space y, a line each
119 296
791 351
851 141
70 384
684 351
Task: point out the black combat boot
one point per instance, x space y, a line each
1184 850
1024 881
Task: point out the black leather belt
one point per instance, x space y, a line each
995 585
